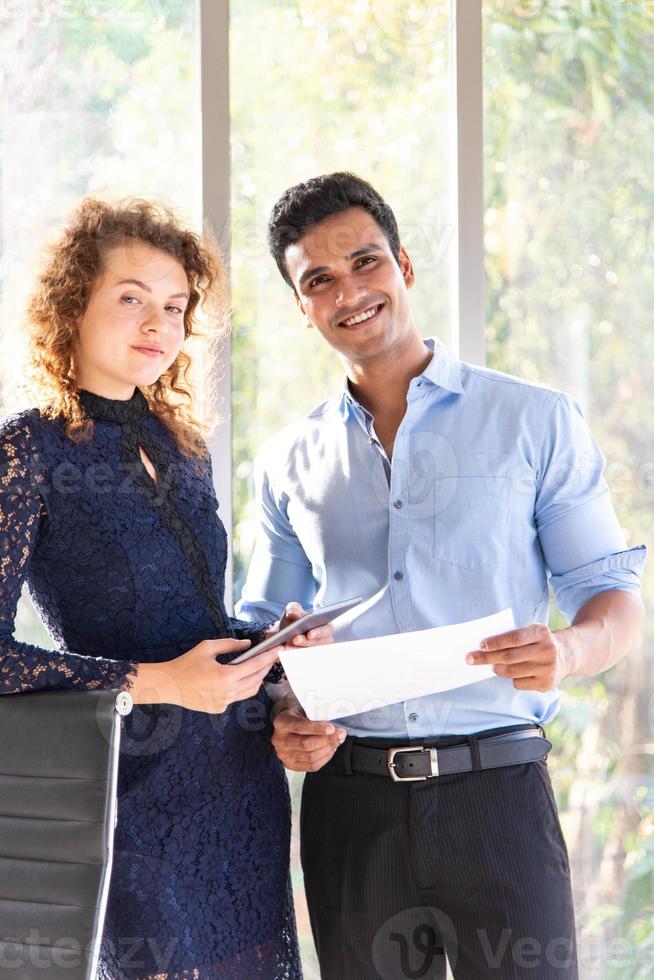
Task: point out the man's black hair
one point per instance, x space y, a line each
304 205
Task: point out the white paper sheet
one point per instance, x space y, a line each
343 679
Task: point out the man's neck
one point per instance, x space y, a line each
380 384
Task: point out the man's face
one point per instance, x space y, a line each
349 286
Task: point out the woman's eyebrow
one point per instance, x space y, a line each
142 285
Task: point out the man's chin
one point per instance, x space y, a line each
362 345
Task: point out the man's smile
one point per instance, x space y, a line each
364 316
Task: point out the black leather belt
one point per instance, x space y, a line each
408 763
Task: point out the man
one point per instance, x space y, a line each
441 492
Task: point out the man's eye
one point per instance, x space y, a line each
317 281
366 260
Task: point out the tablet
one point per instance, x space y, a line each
311 620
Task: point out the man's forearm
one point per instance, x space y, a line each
605 629
282 696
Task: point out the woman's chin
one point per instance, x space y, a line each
144 379
141 376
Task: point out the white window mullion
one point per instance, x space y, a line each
468 309
214 76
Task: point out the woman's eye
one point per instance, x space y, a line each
135 301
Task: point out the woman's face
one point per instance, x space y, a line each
133 327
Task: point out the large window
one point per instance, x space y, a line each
338 86
570 285
99 99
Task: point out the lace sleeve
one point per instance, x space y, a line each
248 631
24 667
255 633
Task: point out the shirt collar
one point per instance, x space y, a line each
444 370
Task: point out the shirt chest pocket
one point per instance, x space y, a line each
471 520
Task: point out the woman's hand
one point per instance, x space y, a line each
195 680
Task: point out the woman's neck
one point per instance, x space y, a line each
104 387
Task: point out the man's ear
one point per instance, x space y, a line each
307 321
406 267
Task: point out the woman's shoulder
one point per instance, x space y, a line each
29 431
20 448
22 425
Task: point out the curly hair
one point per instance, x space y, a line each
63 289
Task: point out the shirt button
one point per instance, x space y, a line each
398 576
413 716
397 504
371 441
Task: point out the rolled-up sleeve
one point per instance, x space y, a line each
620 571
579 532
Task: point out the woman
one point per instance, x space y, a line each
107 510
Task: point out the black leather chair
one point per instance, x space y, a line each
58 773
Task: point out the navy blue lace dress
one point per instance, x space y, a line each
124 569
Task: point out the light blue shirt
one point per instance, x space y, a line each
495 490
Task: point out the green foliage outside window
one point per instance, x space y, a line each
569 154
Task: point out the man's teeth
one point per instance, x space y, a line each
361 317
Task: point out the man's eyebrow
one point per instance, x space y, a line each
370 247
142 285
312 272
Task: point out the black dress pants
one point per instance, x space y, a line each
471 863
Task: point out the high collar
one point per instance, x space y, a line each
114 409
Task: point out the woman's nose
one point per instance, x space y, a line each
155 320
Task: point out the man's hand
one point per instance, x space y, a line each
315 637
304 745
534 657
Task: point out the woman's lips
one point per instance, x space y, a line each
148 351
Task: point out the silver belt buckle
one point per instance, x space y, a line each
390 763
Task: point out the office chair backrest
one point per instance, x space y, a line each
58 775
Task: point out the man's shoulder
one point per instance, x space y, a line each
311 428
509 389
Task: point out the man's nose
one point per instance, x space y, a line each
347 292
